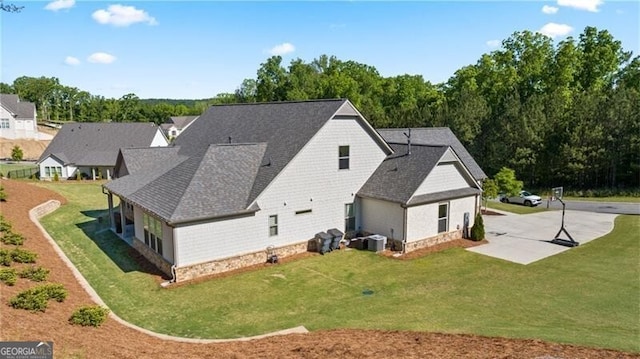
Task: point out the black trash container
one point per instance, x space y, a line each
337 237
324 242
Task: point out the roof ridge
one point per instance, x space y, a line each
279 102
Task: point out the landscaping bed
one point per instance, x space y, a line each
113 340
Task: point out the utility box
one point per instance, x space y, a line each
337 237
377 243
324 242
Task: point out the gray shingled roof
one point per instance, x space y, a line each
21 109
214 183
285 126
182 121
442 136
97 144
399 175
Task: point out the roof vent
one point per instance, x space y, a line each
230 139
408 141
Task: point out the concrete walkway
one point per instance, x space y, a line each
50 206
521 238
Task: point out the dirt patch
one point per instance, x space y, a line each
489 212
114 340
31 149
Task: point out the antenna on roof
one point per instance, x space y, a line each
229 139
408 141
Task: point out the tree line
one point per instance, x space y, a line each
565 114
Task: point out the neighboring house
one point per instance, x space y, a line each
18 119
246 178
91 149
176 124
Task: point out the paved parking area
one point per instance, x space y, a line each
521 238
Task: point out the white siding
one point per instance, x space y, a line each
443 177
311 180
159 140
380 217
422 221
10 132
52 162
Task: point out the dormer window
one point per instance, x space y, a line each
343 157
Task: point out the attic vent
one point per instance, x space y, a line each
230 139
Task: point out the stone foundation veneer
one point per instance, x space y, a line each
432 241
232 263
152 256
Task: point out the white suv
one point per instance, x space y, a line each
526 198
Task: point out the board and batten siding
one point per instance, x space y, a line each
159 140
311 181
443 177
381 217
422 221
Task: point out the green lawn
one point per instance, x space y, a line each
588 295
6 167
604 199
516 208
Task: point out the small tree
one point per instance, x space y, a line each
16 153
3 195
477 231
489 190
56 178
507 182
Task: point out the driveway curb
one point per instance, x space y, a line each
47 207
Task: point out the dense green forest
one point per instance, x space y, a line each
565 114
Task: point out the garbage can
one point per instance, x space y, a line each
377 243
324 242
337 237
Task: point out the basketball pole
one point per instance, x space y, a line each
557 239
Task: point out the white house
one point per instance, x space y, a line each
176 124
247 177
91 149
18 119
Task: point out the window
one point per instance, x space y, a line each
273 225
4 123
47 171
153 233
58 170
349 217
343 157
443 217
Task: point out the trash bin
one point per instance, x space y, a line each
324 242
377 243
337 237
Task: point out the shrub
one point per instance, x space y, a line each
3 196
16 153
35 299
8 276
477 231
12 238
22 256
93 315
5 257
56 178
36 274
5 226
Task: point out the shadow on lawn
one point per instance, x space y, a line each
122 254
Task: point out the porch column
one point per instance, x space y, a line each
93 173
108 174
112 220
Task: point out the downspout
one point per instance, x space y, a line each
404 231
175 257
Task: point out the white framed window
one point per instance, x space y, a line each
152 233
47 171
273 225
443 217
4 123
349 217
343 157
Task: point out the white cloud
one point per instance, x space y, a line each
549 9
120 15
589 5
72 61
282 49
554 30
101 58
60 5
493 43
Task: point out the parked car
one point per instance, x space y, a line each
525 198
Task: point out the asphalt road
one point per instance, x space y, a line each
599 207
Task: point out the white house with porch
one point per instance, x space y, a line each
90 150
247 177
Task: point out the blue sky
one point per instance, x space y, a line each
197 49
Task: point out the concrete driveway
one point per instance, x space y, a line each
521 238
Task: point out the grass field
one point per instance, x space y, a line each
586 296
515 208
6 167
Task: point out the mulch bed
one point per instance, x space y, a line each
112 340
